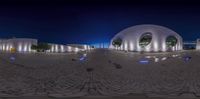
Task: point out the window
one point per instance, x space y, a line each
145 39
171 41
117 42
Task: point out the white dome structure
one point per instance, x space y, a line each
148 38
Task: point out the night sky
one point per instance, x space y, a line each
94 21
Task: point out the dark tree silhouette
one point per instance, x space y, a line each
41 47
117 42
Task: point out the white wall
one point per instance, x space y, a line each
19 44
58 48
131 36
198 44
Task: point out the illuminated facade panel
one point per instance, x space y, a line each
198 44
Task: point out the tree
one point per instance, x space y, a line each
171 41
41 47
117 42
34 47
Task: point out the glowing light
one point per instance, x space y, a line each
164 58
156 46
76 49
88 47
156 60
174 55
7 47
131 46
125 46
3 47
147 48
85 47
164 47
69 48
173 48
148 56
19 47
144 61
62 48
52 48
29 47
25 47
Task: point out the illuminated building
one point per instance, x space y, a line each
58 48
147 38
24 45
80 47
17 44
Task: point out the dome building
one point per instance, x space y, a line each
147 38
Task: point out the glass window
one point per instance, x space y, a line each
145 39
117 42
171 41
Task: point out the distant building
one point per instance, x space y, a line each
148 38
17 44
80 47
60 48
24 45
198 44
57 48
189 45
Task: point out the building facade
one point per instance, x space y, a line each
24 45
17 44
80 47
148 38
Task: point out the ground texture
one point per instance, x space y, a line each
102 73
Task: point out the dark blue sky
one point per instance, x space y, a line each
93 22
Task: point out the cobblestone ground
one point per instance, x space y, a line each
102 73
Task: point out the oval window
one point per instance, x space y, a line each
171 41
117 42
145 39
